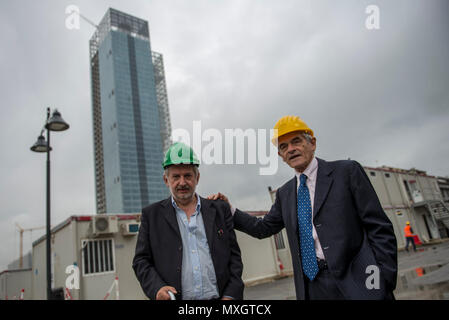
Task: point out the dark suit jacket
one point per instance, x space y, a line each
352 227
158 258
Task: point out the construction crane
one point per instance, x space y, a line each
87 20
21 230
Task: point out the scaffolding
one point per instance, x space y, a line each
115 20
162 100
98 135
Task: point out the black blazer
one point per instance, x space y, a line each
158 257
353 229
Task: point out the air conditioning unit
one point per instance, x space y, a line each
130 228
104 224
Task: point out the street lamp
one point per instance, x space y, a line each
55 123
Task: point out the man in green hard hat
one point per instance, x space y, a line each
186 244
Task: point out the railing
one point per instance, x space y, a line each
439 210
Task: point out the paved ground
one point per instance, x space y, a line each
422 275
282 289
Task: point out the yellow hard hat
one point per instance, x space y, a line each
408 222
289 124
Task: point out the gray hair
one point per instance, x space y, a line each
195 170
307 136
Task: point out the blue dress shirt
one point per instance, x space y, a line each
198 274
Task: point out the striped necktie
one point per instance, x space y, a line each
307 244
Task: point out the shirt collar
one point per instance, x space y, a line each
198 203
311 169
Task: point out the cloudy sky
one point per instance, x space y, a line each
377 96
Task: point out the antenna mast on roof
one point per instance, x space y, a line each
87 20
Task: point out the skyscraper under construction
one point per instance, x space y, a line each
131 121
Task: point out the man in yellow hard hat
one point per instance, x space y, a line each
408 232
186 244
342 243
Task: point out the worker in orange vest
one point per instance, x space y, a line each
408 231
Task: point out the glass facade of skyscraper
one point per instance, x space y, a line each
129 147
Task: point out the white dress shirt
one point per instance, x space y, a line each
311 172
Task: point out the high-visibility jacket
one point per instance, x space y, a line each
408 231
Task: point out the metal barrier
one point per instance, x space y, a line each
114 284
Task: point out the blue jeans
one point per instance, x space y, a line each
408 241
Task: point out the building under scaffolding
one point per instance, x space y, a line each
131 121
162 100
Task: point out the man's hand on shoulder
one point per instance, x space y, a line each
220 196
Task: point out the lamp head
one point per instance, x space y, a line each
40 145
56 123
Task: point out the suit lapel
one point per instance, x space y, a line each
208 213
170 215
323 184
292 201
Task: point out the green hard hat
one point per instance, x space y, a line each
179 153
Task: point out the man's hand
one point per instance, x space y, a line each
162 294
226 298
219 196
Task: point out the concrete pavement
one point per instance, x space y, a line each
422 275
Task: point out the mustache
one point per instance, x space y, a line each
292 156
183 188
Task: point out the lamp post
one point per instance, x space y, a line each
55 123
